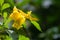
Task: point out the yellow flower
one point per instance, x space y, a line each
19 17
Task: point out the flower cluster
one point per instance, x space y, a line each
20 17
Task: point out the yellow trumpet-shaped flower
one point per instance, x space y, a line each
19 17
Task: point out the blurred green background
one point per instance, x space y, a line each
48 12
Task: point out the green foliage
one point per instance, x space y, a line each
1 2
8 38
11 2
7 23
5 16
6 5
0 13
22 37
12 34
24 2
36 25
1 27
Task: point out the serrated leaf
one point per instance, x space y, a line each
36 25
1 2
5 6
22 37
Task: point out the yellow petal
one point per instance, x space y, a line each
18 23
22 13
33 19
15 15
28 16
17 26
29 12
15 9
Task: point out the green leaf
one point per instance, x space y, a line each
5 15
1 2
5 6
8 38
7 23
22 37
36 25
